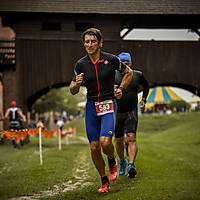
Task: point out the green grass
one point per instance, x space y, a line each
168 165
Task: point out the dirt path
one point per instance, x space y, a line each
78 180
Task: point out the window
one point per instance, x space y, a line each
51 26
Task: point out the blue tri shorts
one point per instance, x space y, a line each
97 126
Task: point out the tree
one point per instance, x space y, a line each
58 100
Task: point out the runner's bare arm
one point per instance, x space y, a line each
7 113
128 73
74 88
22 115
75 85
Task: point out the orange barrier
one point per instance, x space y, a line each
19 134
66 131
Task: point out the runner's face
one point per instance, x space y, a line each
91 44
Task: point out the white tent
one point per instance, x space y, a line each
186 95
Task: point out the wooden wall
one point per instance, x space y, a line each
46 58
167 63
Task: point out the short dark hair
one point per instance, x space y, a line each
92 31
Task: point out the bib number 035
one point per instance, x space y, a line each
104 107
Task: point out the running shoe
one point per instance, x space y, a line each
131 170
123 164
113 172
104 188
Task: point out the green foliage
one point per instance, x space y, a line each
178 105
58 100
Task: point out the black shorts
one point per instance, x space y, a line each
126 123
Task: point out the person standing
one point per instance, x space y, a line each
14 114
60 123
127 115
96 71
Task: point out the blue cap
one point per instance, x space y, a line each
125 57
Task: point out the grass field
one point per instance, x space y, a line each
168 165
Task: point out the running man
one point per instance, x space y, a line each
127 116
96 71
14 114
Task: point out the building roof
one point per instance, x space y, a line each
102 6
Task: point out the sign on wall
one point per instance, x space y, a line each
7 52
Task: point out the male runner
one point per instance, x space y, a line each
14 113
97 72
127 115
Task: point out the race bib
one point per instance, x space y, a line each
104 107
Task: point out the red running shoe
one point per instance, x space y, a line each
104 188
113 173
